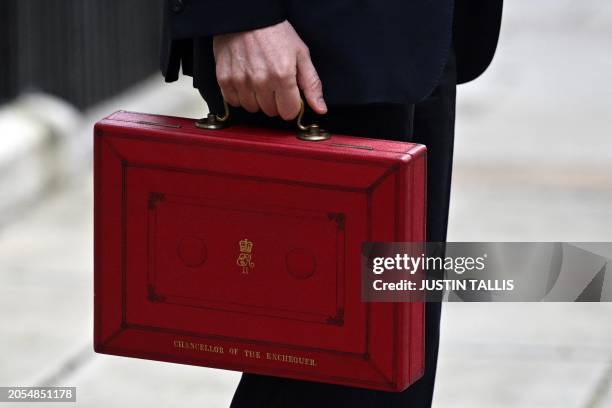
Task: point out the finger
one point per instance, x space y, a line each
224 79
286 92
288 101
310 83
267 102
264 94
248 100
246 95
230 95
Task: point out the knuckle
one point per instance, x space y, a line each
223 75
224 80
283 71
259 80
276 74
238 79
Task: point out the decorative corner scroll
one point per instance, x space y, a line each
155 198
338 319
338 218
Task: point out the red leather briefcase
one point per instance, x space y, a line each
240 249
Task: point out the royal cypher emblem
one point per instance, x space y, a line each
245 257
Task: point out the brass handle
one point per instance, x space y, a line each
213 121
310 133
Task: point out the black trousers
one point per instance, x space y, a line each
430 122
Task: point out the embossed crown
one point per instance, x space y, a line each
246 246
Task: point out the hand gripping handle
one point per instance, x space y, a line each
310 133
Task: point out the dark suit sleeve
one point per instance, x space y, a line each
476 31
203 18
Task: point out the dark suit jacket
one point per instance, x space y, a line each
365 51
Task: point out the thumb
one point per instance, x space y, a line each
310 83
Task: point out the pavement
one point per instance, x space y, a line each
533 162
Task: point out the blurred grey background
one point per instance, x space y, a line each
533 163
